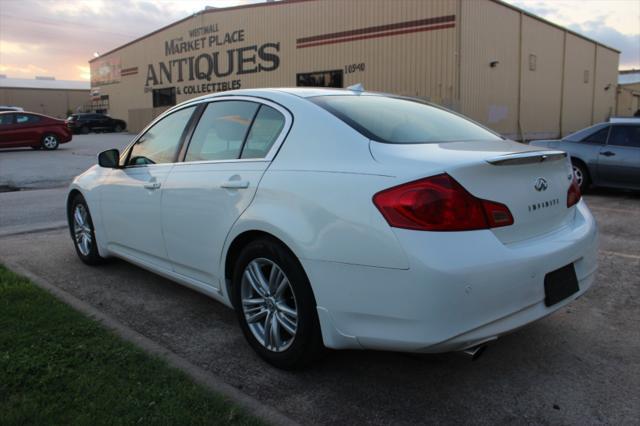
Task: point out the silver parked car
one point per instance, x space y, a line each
606 154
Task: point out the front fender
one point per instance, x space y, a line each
88 184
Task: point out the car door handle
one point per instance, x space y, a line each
608 153
235 184
152 185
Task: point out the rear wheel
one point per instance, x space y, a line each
82 232
84 130
275 305
581 175
50 142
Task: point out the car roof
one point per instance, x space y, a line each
302 92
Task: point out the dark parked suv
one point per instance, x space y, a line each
87 122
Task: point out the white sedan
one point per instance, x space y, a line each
342 219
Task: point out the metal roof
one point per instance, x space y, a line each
288 2
25 83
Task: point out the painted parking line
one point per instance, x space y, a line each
615 253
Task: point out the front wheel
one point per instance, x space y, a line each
82 232
275 305
117 128
50 142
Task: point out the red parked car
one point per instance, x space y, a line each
31 129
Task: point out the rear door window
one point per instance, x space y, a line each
27 119
221 131
265 130
625 136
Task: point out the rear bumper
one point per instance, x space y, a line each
461 289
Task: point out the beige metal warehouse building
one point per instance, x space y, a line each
45 96
504 67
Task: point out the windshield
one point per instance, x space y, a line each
402 121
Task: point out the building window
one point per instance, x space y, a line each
320 79
164 97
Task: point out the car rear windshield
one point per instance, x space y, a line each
402 121
582 134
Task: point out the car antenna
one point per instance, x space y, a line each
356 88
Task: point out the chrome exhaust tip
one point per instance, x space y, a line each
475 352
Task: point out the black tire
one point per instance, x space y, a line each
91 257
118 128
306 346
581 174
84 130
50 142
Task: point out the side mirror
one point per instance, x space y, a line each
109 159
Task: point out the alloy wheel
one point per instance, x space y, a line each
50 142
82 229
577 173
269 304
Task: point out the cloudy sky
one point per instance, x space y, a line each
57 37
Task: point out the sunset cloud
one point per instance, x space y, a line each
615 23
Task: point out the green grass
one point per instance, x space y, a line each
58 366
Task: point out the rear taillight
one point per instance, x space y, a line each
573 195
439 203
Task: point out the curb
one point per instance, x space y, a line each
197 374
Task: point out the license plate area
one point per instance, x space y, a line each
560 284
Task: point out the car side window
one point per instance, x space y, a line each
599 137
161 142
265 130
6 119
26 119
625 136
221 131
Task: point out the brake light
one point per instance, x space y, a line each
573 195
439 203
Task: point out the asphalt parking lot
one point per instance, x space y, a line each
578 366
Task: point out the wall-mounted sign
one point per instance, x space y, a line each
213 61
105 71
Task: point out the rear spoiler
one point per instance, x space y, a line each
526 158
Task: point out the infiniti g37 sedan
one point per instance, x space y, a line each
342 219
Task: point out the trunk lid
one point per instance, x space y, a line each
532 182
